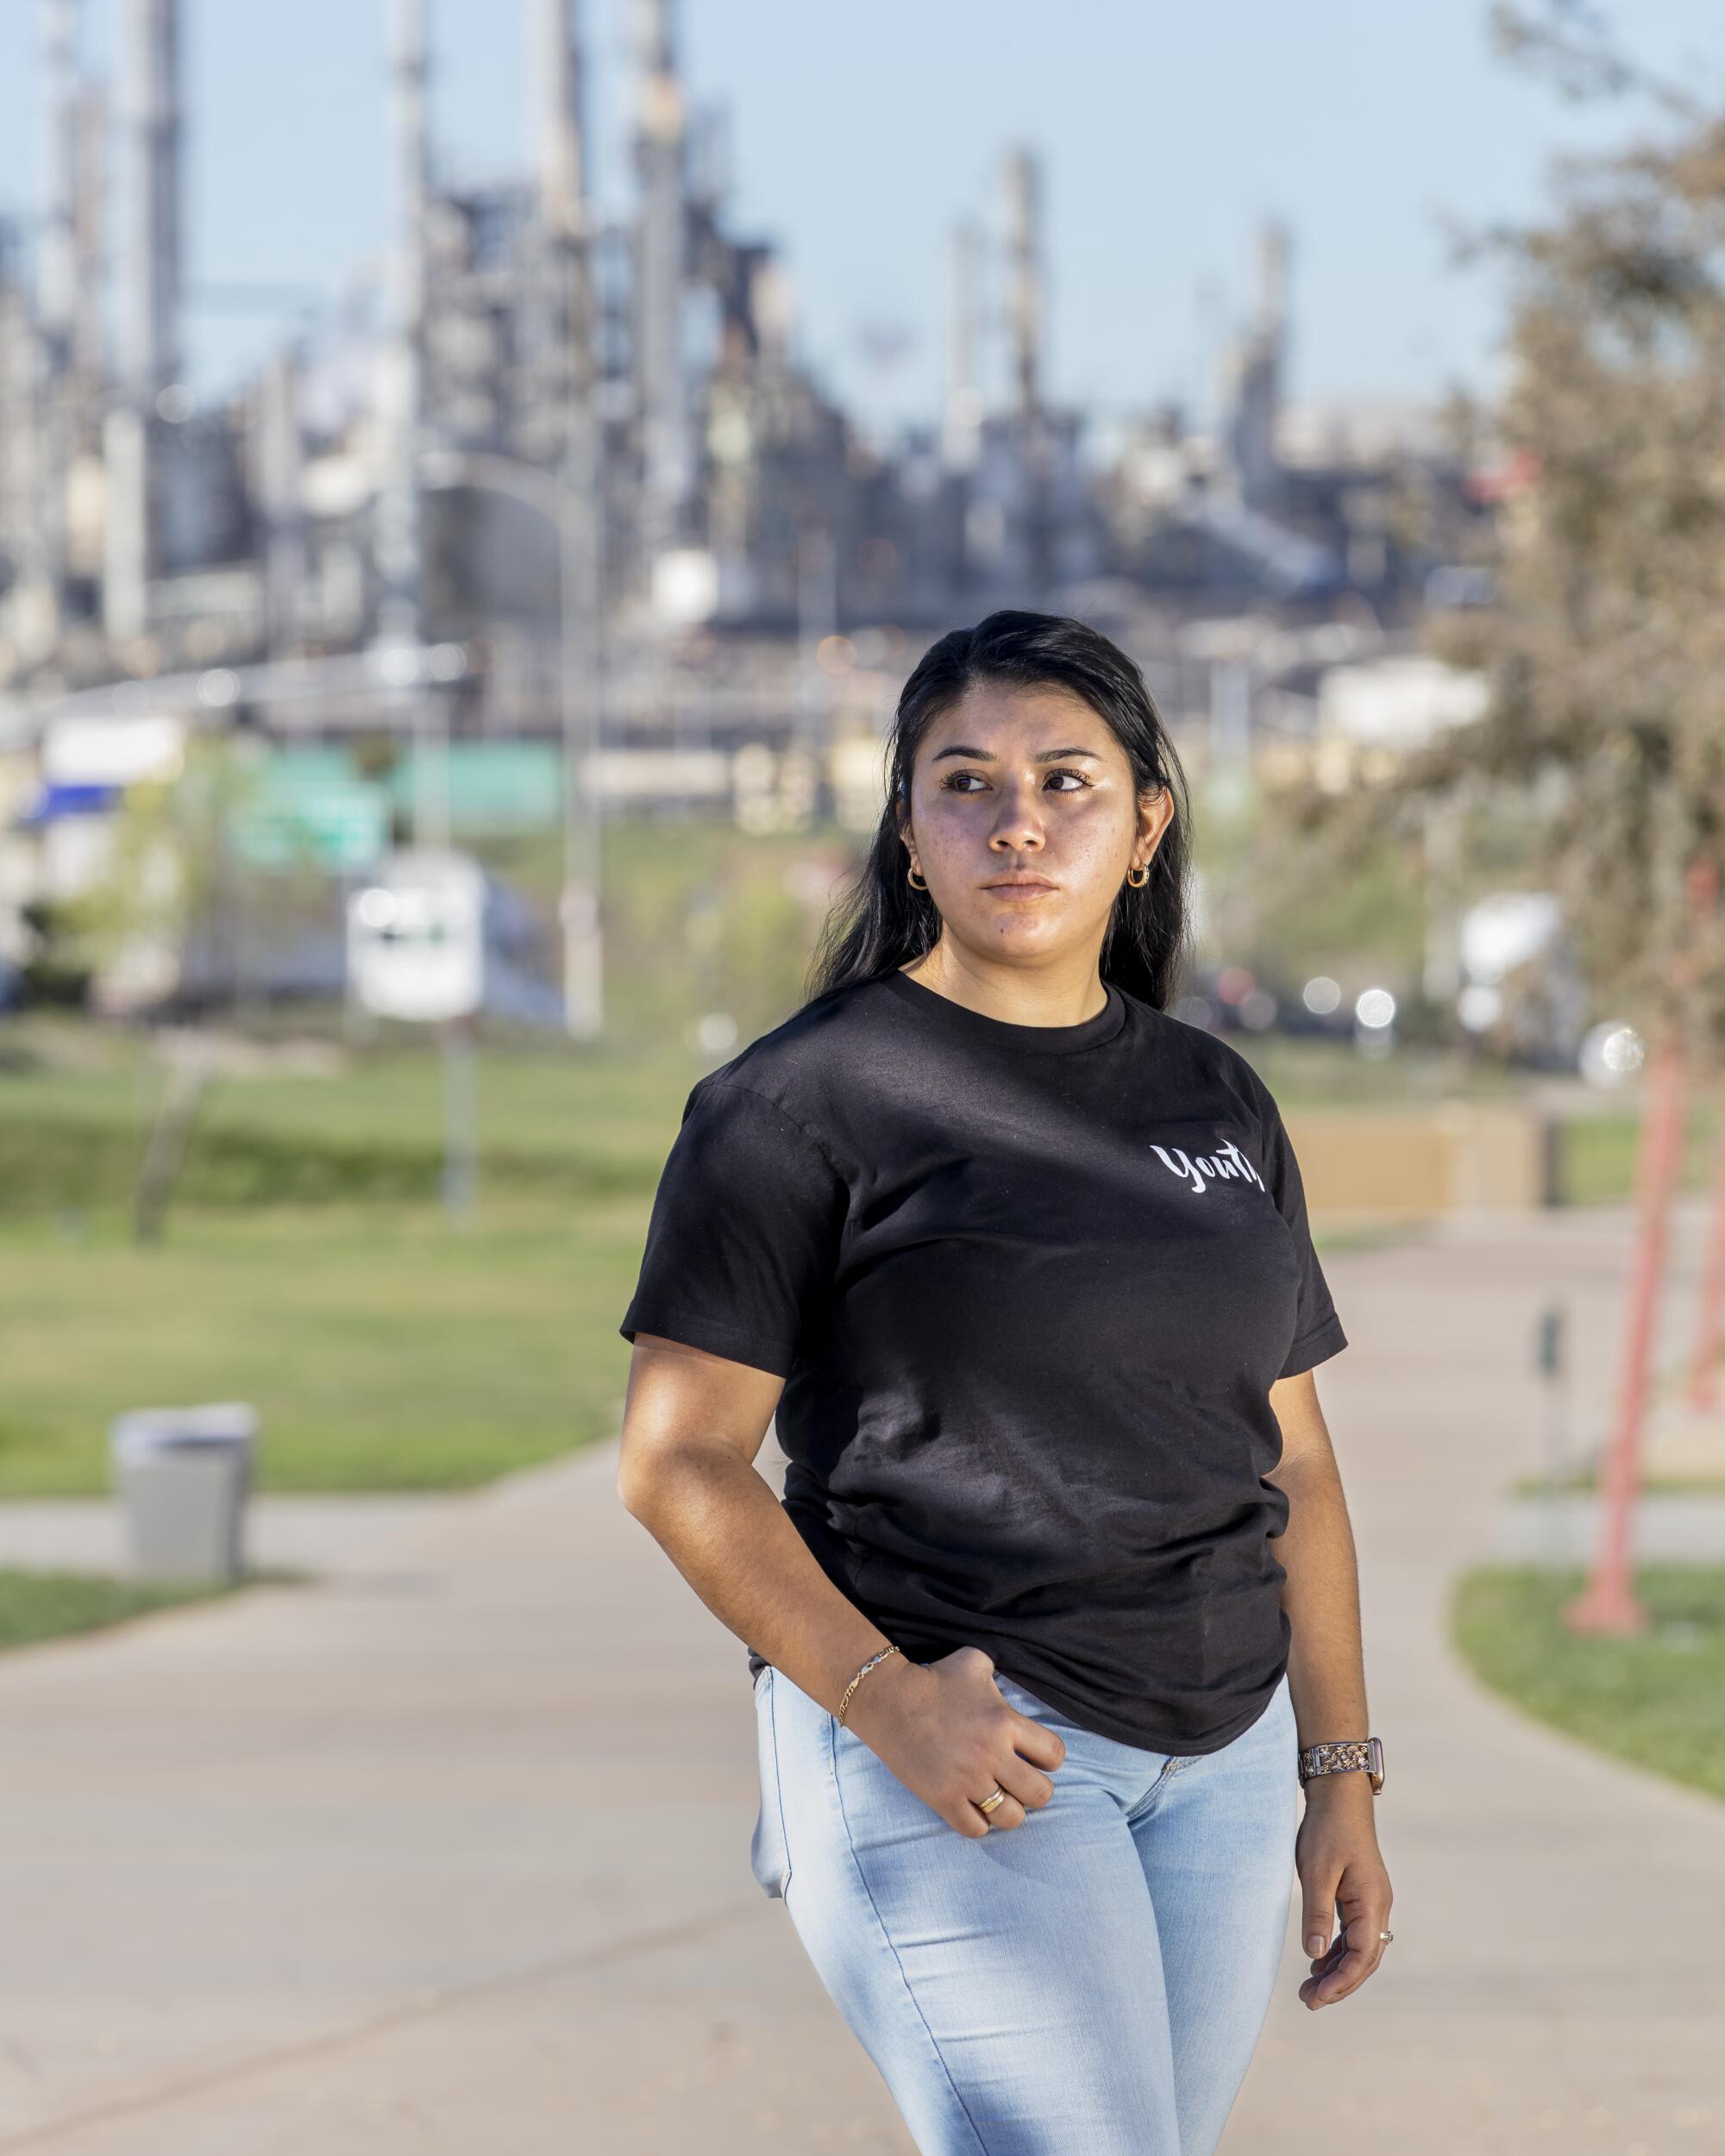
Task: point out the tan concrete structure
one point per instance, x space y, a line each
1459 1157
450 1852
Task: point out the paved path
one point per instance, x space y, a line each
450 1850
1669 1529
312 1534
1556 1981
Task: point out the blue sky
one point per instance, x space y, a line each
1168 131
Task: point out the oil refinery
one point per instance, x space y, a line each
558 476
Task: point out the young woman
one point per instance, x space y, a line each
1019 1263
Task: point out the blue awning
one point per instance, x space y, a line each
56 801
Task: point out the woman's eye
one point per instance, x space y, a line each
952 785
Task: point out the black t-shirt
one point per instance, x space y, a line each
1028 1287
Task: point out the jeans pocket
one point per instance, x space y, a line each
770 1856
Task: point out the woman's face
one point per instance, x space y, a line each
1024 822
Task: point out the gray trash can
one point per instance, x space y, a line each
182 1475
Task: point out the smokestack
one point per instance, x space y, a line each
149 361
655 37
1257 366
1024 317
1024 261
152 356
559 99
56 300
56 260
963 391
661 269
398 530
89 333
401 397
558 349
280 484
1272 280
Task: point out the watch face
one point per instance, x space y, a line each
1375 1762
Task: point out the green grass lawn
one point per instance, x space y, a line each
552 1125
385 1346
309 1266
35 1606
1657 1701
1598 1154
1584 1483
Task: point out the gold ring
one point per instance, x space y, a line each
987 1803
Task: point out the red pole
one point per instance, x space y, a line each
1609 1603
1703 1368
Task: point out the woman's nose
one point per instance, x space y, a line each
1019 821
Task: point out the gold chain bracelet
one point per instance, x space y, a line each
858 1678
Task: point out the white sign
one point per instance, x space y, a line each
415 937
105 752
1400 702
1505 930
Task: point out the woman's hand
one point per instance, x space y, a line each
1341 1873
946 1732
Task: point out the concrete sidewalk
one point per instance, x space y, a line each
1556 1980
451 1848
324 1534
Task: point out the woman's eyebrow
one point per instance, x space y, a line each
986 755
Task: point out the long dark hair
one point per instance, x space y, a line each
880 922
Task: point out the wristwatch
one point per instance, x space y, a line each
1345 1758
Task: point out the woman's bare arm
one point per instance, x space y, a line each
1339 1866
692 1424
1325 1661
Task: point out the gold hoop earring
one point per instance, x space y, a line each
1139 881
915 883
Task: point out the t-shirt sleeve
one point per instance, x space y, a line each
743 1239
1317 1330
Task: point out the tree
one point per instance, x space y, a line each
1604 653
1604 649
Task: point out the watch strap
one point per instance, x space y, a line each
1344 1756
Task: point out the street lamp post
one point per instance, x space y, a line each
571 508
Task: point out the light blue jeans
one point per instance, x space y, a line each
1090 1984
